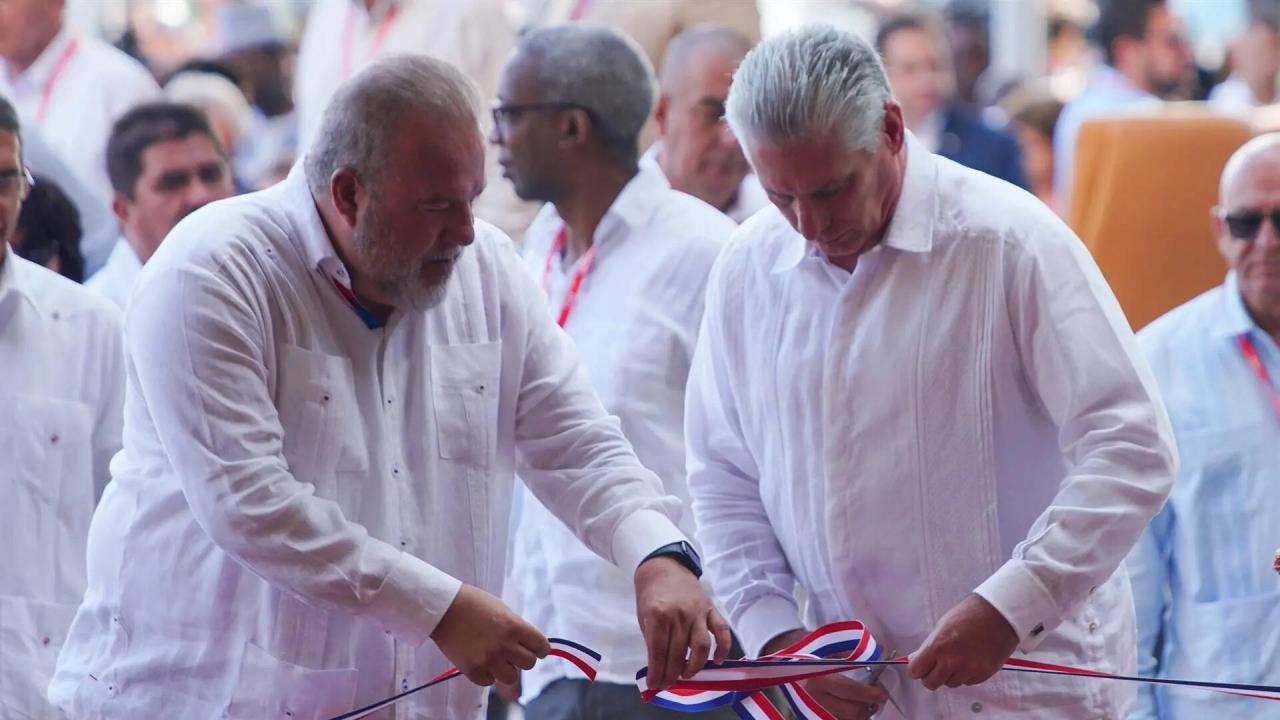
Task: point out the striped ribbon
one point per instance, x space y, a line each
739 682
581 656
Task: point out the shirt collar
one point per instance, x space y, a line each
39 71
1235 320
1108 81
633 207
910 229
13 279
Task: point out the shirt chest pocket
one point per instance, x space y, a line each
50 451
321 418
464 396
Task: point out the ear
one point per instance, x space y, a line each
894 127
660 113
1227 247
347 193
574 127
120 207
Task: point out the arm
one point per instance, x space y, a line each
1082 361
745 562
1148 566
197 347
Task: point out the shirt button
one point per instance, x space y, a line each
976 707
391 400
403 543
1038 630
1093 627
325 397
44 641
53 439
56 315
395 471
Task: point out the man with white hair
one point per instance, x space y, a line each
331 383
915 396
625 260
695 150
1208 604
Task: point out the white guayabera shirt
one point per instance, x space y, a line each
300 496
966 411
61 391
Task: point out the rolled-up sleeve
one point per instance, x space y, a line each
746 564
572 454
1082 361
196 341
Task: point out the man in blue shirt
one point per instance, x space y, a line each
1147 58
1208 604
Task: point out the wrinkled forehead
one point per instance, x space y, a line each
1253 181
444 153
802 167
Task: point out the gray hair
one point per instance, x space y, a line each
597 69
808 82
360 119
712 37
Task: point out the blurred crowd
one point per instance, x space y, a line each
1123 131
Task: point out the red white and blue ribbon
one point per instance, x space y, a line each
844 645
581 656
739 682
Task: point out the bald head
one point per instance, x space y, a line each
696 46
1250 171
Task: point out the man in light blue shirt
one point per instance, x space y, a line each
1208 603
1147 58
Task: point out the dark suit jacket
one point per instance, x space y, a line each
970 141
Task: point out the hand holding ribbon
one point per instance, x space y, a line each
967 646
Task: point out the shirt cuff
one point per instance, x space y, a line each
764 620
1023 601
639 534
413 598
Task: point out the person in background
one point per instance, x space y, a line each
695 150
49 230
331 385
223 104
61 348
624 259
951 401
1208 605
165 163
1033 118
68 85
968 24
1254 58
1146 58
923 82
249 42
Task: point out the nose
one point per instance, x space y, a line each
200 193
463 230
811 221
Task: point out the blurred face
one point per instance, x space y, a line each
414 222
840 200
178 177
1247 234
26 26
13 185
1166 55
1257 54
1037 158
526 132
918 72
700 156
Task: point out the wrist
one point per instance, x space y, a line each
783 640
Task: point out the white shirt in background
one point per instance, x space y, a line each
74 92
1233 96
63 388
300 497
965 412
634 323
342 37
750 198
117 277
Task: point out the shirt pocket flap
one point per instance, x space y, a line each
270 688
464 389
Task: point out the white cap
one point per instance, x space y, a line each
243 26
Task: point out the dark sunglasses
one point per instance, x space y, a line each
1244 224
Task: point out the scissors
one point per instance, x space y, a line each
873 679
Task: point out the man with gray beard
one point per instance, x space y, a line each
331 384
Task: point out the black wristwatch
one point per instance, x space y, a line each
683 553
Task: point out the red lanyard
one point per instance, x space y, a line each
58 69
575 286
1251 356
379 37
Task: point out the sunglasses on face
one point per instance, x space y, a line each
1246 223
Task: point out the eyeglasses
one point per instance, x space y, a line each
11 181
503 115
1245 223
